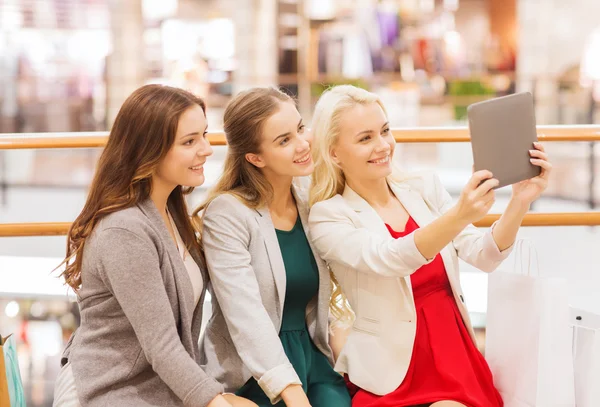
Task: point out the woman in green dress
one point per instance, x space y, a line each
267 339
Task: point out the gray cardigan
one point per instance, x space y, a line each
248 281
138 340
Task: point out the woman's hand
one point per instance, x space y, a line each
294 396
237 401
219 401
525 192
476 198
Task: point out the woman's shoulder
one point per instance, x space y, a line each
128 227
131 219
122 227
228 205
335 205
425 182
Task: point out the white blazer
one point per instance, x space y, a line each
374 270
248 282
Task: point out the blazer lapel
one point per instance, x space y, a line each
324 279
370 219
413 202
181 276
423 213
274 252
416 206
197 311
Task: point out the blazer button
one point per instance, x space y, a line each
462 299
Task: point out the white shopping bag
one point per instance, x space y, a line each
528 336
586 351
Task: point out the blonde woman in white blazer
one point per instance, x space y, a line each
393 242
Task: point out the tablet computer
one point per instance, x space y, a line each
503 131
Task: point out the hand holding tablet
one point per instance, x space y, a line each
504 142
503 130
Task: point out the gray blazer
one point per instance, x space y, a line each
248 281
138 340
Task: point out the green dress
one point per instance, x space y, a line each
323 386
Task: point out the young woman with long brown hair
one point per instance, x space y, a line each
135 262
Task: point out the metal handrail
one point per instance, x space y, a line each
16 141
585 133
531 219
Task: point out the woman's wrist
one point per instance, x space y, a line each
293 395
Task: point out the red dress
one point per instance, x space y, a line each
445 363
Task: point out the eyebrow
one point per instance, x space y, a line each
195 133
386 124
287 133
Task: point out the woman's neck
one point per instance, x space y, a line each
160 195
376 193
282 199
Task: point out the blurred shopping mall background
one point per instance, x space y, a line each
67 65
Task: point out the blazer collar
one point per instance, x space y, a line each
414 203
300 192
267 228
272 243
417 206
182 279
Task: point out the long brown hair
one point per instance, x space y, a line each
243 122
143 132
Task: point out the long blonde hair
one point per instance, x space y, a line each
243 122
328 178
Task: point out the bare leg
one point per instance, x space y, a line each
447 404
236 401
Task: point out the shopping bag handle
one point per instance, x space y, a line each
533 267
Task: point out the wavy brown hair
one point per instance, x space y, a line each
143 132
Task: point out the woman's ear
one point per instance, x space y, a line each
255 159
334 157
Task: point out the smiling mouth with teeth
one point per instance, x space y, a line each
196 167
303 159
381 160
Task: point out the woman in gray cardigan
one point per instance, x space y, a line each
268 336
136 265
